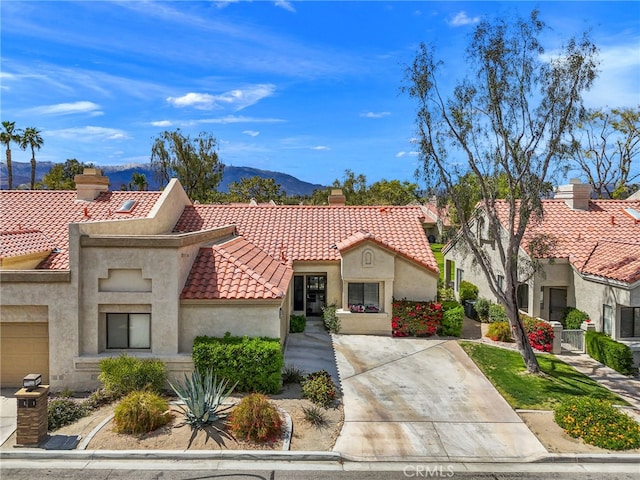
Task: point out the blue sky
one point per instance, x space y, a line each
306 88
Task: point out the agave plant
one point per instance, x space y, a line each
204 397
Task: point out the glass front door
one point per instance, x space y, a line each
309 294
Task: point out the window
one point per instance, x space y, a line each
607 319
298 292
128 330
364 297
629 322
501 282
459 273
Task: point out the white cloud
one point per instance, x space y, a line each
161 123
320 148
462 19
251 133
375 114
235 99
236 119
67 109
400 154
89 134
285 4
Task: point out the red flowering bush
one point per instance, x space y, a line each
416 319
540 333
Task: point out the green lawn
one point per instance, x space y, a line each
505 369
436 248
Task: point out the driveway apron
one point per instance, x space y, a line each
423 399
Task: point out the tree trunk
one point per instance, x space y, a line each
9 170
524 347
33 173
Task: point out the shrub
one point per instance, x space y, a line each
297 323
253 364
314 415
420 319
292 374
452 320
204 397
573 318
497 313
482 309
124 374
331 320
319 388
64 411
256 419
613 354
141 412
467 291
446 294
540 333
98 399
500 332
598 423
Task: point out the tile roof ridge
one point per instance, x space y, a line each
22 230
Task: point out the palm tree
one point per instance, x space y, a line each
31 138
9 135
139 180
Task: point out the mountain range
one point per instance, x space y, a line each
120 175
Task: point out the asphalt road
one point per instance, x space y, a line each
609 472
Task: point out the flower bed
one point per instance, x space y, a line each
540 333
415 319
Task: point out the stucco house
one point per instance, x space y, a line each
594 264
92 273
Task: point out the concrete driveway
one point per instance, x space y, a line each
418 399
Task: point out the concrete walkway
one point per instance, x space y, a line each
627 387
311 350
423 399
8 412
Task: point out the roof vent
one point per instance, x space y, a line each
126 207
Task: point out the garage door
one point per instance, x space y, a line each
24 349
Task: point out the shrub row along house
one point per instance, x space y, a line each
593 262
92 273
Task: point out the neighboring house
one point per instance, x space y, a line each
437 222
91 273
593 266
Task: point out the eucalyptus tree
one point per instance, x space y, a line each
193 161
10 134
32 139
508 118
607 143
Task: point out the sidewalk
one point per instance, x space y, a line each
627 387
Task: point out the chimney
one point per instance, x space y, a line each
576 195
90 184
336 198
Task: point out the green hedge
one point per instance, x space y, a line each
452 320
468 291
613 354
573 318
255 363
125 374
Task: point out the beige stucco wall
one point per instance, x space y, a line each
414 283
334 282
215 318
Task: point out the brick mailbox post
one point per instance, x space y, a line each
32 419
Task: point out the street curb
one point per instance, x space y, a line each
590 458
253 455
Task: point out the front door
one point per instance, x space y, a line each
557 303
309 294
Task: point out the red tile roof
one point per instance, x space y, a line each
51 212
311 233
24 242
602 241
435 213
236 269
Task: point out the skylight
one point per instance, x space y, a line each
126 207
633 213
